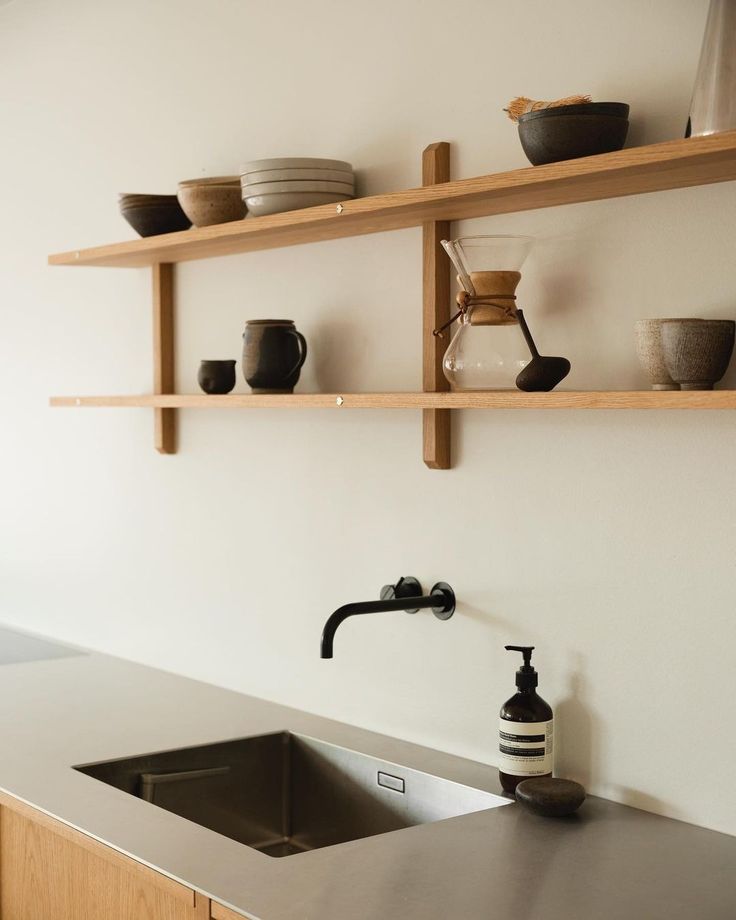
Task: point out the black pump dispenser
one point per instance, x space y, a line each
526 676
525 729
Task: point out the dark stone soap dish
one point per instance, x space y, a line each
552 798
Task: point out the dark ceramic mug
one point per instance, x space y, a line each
273 355
216 376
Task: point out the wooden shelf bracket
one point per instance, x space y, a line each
164 421
436 425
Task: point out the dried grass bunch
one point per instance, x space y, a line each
521 105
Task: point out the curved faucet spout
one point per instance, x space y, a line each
441 600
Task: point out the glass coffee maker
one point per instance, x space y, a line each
488 351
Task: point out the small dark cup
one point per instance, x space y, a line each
216 376
273 355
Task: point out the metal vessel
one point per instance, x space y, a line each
713 105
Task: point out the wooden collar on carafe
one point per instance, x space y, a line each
494 301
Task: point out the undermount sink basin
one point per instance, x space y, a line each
285 794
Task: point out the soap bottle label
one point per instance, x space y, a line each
525 748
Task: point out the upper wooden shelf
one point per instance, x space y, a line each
672 164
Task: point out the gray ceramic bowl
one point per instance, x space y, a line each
650 351
697 352
567 132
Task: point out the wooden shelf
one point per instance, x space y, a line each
672 164
499 399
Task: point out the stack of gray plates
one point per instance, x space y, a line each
290 183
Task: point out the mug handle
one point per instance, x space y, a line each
302 349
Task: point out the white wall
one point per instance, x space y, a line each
605 538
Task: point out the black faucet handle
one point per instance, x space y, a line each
407 586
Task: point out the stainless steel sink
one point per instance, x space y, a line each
285 794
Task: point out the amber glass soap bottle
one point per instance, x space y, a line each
525 731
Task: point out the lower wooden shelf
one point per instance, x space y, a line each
496 399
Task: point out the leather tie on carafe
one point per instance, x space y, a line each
493 304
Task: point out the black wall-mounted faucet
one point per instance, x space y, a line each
405 595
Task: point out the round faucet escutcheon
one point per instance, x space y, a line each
446 600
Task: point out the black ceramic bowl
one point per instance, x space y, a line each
568 132
161 216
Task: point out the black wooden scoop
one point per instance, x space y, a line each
541 374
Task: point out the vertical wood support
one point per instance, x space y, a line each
436 288
164 437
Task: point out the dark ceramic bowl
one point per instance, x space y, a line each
160 216
568 132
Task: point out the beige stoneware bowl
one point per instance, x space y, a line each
212 201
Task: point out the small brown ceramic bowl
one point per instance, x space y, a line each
568 132
153 219
216 200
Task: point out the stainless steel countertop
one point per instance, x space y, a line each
610 862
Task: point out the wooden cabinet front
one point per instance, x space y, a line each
50 872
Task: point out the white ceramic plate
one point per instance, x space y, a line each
259 205
269 188
291 175
295 163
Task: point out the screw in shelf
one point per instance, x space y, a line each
339 401
339 209
78 402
